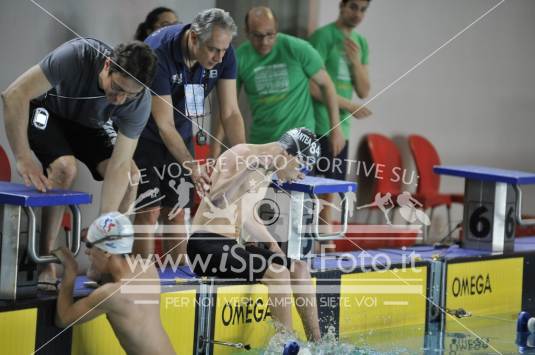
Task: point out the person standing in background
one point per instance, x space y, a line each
156 19
345 56
274 70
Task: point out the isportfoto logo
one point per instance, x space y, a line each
408 207
346 262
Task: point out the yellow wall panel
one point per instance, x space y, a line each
177 311
18 329
485 287
382 299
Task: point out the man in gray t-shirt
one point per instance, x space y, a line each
77 95
65 108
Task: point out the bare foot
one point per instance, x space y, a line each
47 278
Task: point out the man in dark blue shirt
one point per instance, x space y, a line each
192 60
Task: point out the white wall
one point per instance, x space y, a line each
27 34
474 99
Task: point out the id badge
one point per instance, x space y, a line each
194 100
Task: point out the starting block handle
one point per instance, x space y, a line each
74 245
519 220
332 236
76 229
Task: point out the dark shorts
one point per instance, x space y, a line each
329 166
63 137
164 182
225 258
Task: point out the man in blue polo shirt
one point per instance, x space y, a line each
192 60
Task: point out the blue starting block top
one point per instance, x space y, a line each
317 185
21 195
483 173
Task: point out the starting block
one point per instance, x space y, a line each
291 211
492 205
18 278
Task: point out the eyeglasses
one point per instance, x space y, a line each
118 90
257 36
90 245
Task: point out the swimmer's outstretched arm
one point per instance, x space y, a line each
87 308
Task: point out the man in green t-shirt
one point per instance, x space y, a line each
274 69
345 56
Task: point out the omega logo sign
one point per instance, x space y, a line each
244 312
471 286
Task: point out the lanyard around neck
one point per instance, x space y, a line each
185 68
185 77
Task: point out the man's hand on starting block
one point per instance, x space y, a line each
32 174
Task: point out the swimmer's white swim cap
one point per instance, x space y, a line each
112 232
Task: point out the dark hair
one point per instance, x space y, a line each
134 59
150 20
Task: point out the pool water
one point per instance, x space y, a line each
493 334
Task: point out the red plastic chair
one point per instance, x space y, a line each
5 167
386 156
426 157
